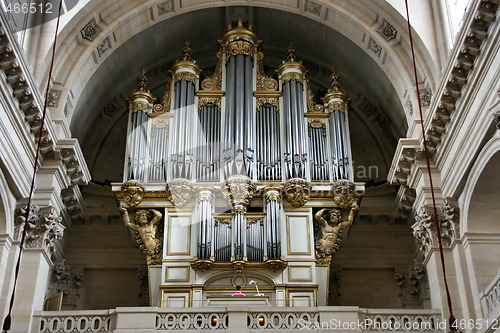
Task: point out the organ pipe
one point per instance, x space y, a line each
295 155
205 222
272 222
185 74
239 111
238 153
140 104
336 105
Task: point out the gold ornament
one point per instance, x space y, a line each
344 194
328 233
133 192
297 191
292 76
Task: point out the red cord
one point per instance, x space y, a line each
8 318
451 319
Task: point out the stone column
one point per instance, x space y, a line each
43 231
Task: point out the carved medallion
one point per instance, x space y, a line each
297 191
344 193
181 191
133 192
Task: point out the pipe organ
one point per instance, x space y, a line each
236 164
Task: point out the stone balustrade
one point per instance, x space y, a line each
238 318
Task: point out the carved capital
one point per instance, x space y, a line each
186 76
43 230
297 191
133 192
205 194
292 76
449 226
272 193
240 189
496 117
423 231
181 191
239 47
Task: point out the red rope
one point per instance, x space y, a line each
8 318
451 319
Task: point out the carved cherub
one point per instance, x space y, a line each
326 243
144 226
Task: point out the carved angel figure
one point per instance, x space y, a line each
145 226
326 242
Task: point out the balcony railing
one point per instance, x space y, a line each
238 318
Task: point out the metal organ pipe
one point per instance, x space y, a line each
238 146
272 222
295 147
319 165
138 142
205 220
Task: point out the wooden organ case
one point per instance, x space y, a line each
238 178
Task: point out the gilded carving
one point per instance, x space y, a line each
344 193
208 101
334 91
292 76
214 82
181 191
272 194
238 265
240 189
139 106
276 264
311 105
264 82
133 192
145 226
164 106
187 76
239 47
202 264
337 106
328 235
263 101
297 191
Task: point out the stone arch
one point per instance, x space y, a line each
7 207
358 21
479 226
477 193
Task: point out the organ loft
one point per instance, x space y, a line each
238 179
